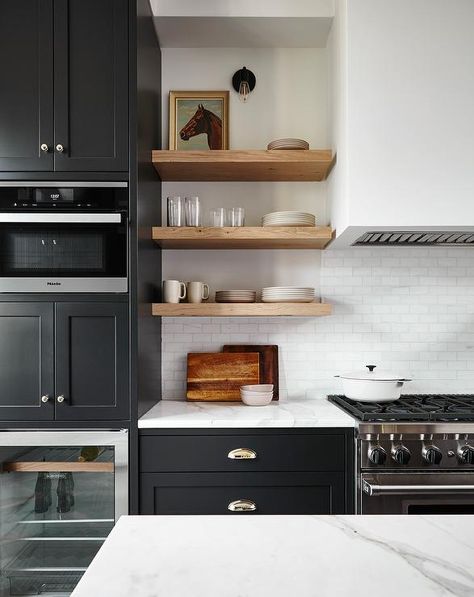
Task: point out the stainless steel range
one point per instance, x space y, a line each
415 455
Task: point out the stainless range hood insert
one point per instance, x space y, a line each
415 239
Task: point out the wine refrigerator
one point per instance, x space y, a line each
61 493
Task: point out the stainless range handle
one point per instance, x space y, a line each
60 218
373 490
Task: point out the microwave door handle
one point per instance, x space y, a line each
373 490
60 218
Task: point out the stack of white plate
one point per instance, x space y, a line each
289 218
236 296
287 294
257 395
288 144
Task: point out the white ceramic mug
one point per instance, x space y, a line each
173 291
197 292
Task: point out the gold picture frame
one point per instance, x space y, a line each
199 120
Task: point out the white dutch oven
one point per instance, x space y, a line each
372 386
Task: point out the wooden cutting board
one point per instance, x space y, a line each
217 376
268 361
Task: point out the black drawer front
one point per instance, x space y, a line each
285 493
205 453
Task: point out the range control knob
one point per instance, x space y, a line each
466 454
401 455
432 455
377 455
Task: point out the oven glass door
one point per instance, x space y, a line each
417 493
66 245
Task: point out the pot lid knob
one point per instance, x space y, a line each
371 367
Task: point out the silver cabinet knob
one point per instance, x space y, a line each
45 398
242 454
60 398
44 147
242 506
59 148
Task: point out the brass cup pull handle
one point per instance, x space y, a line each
242 506
242 454
60 399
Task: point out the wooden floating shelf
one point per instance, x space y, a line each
268 237
244 165
57 467
241 309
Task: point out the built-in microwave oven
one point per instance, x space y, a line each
64 237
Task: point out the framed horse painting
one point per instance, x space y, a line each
199 120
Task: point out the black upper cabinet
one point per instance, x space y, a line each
91 85
26 85
91 361
26 362
73 53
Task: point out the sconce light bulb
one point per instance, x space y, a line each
244 91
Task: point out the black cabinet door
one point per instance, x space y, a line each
26 85
26 362
91 361
91 85
266 493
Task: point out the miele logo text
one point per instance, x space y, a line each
53 283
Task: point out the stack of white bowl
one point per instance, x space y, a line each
257 395
289 218
236 296
287 294
288 143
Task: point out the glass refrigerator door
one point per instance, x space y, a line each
58 503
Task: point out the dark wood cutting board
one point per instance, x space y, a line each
217 376
268 362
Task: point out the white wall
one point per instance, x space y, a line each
290 100
409 310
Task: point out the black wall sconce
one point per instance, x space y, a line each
243 82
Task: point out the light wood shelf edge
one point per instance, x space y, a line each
241 309
247 237
57 467
244 165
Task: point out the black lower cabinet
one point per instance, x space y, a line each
289 472
64 361
243 493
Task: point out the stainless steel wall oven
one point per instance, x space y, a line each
64 237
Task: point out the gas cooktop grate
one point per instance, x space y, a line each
411 407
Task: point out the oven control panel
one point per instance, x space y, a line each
425 452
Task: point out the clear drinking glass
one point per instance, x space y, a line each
176 216
236 216
218 217
193 211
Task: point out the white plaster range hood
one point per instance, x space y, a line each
402 123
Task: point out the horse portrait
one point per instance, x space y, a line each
198 120
204 122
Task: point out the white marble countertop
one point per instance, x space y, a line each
277 556
304 412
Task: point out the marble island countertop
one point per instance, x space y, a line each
277 556
303 412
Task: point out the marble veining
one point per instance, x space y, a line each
307 556
303 412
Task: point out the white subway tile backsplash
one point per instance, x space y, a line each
406 309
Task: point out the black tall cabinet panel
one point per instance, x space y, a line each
26 362
26 85
91 85
91 361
